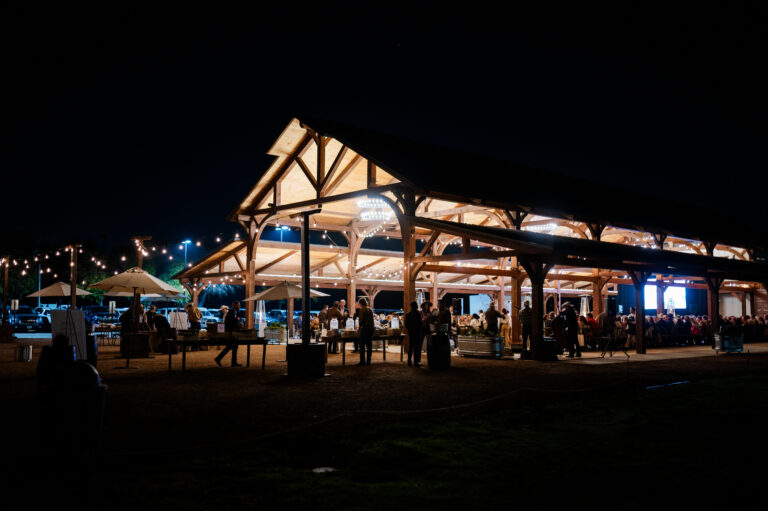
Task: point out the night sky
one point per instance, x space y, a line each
126 122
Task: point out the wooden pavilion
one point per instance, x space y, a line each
470 224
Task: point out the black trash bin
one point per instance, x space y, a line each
74 409
439 351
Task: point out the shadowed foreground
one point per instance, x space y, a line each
673 430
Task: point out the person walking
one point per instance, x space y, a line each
365 318
415 336
230 325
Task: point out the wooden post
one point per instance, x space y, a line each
639 279
500 295
660 294
354 247
537 272
744 305
140 246
597 293
515 299
73 274
713 293
409 251
305 332
5 290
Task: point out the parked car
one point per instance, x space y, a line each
106 318
208 317
276 315
91 310
26 320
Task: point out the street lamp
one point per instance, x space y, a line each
185 243
282 229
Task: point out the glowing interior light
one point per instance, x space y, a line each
541 228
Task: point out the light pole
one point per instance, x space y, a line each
185 243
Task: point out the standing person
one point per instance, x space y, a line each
334 313
572 331
193 316
365 317
427 324
230 325
343 307
415 336
150 317
559 331
443 318
525 324
322 316
492 319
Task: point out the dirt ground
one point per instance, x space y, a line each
151 408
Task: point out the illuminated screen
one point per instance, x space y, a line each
477 302
674 298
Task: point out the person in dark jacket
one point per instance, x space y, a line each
365 318
334 313
415 336
231 324
492 319
572 331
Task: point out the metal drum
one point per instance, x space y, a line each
24 353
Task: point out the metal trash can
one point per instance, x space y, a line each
23 353
439 351
729 343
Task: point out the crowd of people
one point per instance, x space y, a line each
662 330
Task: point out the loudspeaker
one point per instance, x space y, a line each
457 303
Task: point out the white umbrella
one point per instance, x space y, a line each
283 291
58 289
135 281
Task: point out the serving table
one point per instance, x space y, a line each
384 338
217 339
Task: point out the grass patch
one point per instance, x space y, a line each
682 444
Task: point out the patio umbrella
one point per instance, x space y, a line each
58 289
282 291
136 282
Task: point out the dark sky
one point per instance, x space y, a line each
124 122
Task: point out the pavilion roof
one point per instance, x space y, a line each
594 254
471 178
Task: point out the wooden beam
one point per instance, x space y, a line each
278 175
454 211
371 174
325 263
334 166
325 199
342 175
478 254
239 262
369 265
275 261
307 172
467 270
